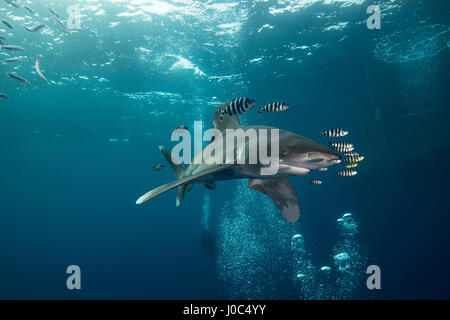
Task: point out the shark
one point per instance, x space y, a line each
297 156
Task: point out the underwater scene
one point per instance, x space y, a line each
97 96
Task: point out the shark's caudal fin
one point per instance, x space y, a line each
281 191
179 170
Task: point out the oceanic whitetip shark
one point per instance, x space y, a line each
297 156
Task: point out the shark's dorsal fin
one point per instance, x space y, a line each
281 191
227 121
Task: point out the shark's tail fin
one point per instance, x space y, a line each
179 170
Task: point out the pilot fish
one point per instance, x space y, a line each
333 133
342 146
351 165
316 182
236 106
274 107
347 173
353 159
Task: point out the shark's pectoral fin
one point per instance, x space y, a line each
281 191
181 182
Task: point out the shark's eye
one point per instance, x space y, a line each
284 153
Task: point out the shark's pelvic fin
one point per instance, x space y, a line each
180 195
281 191
227 122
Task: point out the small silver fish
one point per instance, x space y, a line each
18 78
29 9
6 23
36 28
11 47
316 182
3 96
13 59
53 12
12 2
322 169
60 24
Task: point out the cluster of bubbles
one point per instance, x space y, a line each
262 256
343 279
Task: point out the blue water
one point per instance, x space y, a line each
135 70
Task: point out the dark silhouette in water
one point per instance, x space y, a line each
209 242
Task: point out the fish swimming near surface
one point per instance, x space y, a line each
36 28
159 167
316 182
297 156
60 24
333 133
53 12
347 173
29 9
6 23
3 96
235 106
13 59
12 2
180 129
11 47
274 107
342 146
38 70
18 78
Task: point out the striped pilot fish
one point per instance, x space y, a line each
347 173
353 159
351 154
351 165
316 182
236 106
342 146
274 107
322 169
333 133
